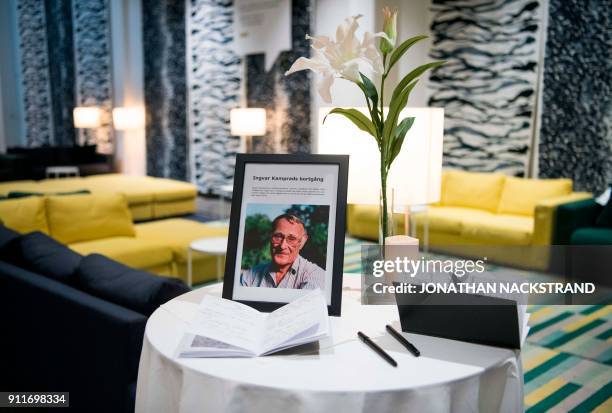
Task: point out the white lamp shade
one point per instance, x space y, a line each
86 117
126 118
416 172
248 122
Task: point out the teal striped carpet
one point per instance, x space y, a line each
567 360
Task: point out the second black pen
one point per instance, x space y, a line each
377 348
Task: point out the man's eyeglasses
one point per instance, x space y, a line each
291 240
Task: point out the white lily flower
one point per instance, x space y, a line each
340 58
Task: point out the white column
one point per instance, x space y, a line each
128 81
413 19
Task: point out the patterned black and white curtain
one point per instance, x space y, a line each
92 67
35 76
214 77
488 86
165 90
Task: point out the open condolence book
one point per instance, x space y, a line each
225 328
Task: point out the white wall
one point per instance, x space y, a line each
327 16
413 19
128 81
11 107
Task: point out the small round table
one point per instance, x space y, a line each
341 374
214 246
225 193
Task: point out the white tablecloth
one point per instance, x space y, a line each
341 375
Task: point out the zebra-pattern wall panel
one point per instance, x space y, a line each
214 73
92 59
34 61
165 94
576 132
286 98
488 85
61 69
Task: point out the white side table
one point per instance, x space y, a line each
225 192
59 171
213 246
415 210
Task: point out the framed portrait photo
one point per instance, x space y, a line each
287 227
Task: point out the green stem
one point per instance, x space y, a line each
383 154
370 108
383 215
382 100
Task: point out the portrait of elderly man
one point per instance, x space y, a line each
287 269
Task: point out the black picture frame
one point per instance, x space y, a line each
230 276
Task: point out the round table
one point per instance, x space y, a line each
341 374
225 192
214 246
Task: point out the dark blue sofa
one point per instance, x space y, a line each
57 337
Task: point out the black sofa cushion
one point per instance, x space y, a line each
58 155
6 236
42 254
44 155
134 289
31 163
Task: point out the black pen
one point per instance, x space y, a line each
403 340
382 353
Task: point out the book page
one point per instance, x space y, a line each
294 318
229 322
198 346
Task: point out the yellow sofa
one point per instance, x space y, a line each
103 224
147 197
480 210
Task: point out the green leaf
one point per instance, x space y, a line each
414 74
398 138
402 48
359 119
397 104
369 89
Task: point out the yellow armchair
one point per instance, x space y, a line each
544 216
479 210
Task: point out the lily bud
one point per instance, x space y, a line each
389 28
